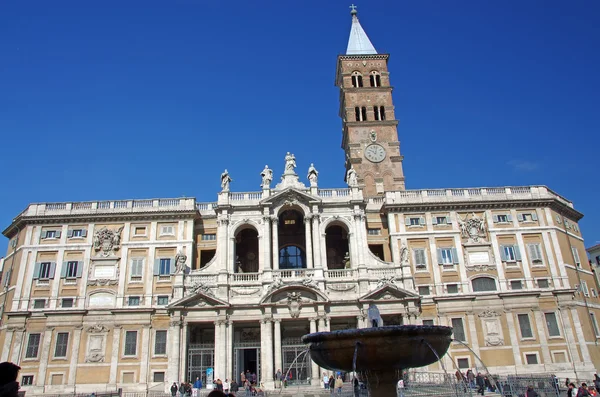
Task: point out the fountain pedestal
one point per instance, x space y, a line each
380 354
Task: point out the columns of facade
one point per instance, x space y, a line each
146 298
560 259
308 243
472 330
231 254
437 277
264 258
114 357
183 349
540 321
277 349
74 356
569 337
266 345
275 239
19 334
52 304
223 352
7 343
393 240
314 368
146 329
222 241
556 283
360 237
46 342
524 260
316 241
514 339
174 342
585 353
464 279
229 374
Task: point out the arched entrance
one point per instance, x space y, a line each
292 240
246 251
338 248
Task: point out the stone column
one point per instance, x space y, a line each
314 368
569 337
265 247
222 241
114 357
223 351
7 342
19 334
585 353
174 341
219 342
74 356
275 237
229 374
308 241
45 351
316 242
524 260
471 328
266 345
437 277
393 239
183 349
146 329
514 339
277 350
540 321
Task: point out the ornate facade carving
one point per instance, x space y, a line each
386 280
180 260
106 241
102 282
97 329
200 287
341 287
489 313
472 228
244 291
294 304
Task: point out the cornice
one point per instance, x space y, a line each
344 57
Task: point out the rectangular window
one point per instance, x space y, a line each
552 324
27 380
130 343
162 300
453 288
458 329
525 326
543 283
134 301
33 346
535 253
139 231
531 359
501 218
423 290
440 220
527 217
67 302
209 237
39 303
75 233
160 343
415 222
50 234
428 322
446 256
167 230
576 256
516 284
72 269
509 253
62 341
44 272
137 266
374 232
584 288
165 267
420 258
463 363
158 377
594 324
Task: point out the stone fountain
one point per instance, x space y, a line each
380 353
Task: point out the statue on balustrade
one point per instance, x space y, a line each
313 175
267 177
225 181
290 163
351 178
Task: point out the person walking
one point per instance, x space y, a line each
226 386
339 383
331 384
278 376
530 392
174 389
325 381
571 392
582 392
401 387
480 384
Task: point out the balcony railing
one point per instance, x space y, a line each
345 274
244 277
334 193
294 273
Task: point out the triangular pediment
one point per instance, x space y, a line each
290 196
199 300
387 292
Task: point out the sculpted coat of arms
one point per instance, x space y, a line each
472 228
107 240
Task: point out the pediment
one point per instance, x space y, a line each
199 300
389 292
290 196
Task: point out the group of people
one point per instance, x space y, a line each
480 381
333 383
583 390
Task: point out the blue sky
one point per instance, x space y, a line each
143 99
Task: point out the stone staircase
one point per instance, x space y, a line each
315 391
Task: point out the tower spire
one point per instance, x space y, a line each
358 43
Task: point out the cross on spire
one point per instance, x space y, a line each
353 9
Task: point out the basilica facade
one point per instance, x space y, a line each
137 294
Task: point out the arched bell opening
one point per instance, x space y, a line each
246 251
338 247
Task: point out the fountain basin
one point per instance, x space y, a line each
381 349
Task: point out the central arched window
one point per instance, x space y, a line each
292 257
481 284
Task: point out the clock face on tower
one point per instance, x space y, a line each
375 153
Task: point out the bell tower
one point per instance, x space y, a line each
369 126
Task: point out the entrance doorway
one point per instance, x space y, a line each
246 359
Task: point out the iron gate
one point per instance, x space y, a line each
200 357
296 370
238 348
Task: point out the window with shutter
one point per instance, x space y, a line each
576 256
594 324
160 343
33 346
458 329
446 256
552 324
137 266
165 267
44 270
584 288
420 262
130 343
508 253
535 253
72 269
62 342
